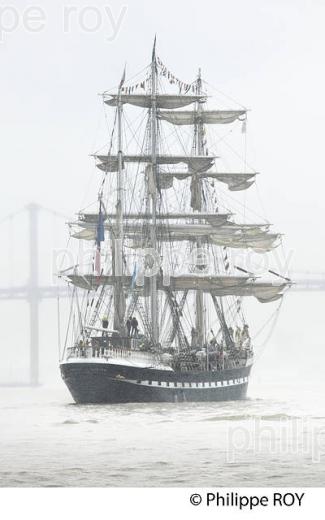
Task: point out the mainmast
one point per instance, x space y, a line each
153 194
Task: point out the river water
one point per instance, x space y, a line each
274 438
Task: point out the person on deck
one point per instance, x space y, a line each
129 325
238 337
105 322
246 339
194 337
134 327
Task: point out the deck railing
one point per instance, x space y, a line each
109 352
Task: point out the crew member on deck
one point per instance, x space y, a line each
246 339
194 337
134 327
129 325
104 325
238 337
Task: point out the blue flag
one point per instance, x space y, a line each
100 236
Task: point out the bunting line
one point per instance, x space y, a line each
186 87
166 73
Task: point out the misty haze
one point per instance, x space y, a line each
262 60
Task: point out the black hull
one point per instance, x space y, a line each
91 382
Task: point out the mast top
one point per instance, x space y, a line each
122 79
153 57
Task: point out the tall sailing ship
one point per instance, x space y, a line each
158 314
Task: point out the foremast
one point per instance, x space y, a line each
118 239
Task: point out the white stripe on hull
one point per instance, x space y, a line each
192 385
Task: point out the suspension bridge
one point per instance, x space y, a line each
34 293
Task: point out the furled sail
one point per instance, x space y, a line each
219 285
191 117
85 234
227 229
215 219
195 163
234 181
262 243
229 234
264 292
162 100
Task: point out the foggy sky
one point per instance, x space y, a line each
267 55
